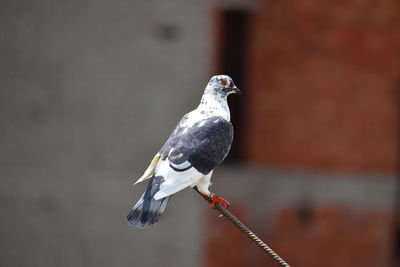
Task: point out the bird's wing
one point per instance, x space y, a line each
198 150
202 146
190 153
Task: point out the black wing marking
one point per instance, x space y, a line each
204 145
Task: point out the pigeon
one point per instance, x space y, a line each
200 142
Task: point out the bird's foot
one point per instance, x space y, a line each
220 200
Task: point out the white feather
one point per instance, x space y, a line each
181 166
150 170
175 181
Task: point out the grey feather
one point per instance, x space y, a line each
147 210
204 145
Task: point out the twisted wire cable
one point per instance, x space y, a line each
247 231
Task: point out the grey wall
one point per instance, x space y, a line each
89 92
89 82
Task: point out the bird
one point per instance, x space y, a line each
201 141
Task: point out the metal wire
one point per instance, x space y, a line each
247 231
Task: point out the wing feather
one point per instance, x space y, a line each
204 145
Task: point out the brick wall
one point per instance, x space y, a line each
322 79
331 237
320 95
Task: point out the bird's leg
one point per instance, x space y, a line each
202 187
212 198
220 200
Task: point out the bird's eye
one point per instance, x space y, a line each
224 82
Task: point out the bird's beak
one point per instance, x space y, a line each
236 90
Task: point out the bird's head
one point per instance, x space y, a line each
222 85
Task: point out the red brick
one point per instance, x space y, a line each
224 243
332 236
351 238
322 81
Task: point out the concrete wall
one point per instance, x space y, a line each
89 92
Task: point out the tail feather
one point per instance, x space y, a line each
147 210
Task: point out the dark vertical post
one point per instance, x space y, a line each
235 25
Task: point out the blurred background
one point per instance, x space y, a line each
90 90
